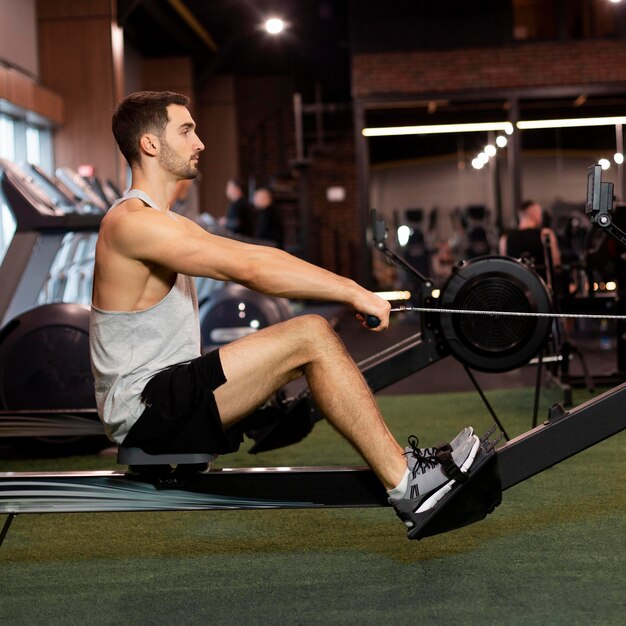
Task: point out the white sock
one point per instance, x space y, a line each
397 493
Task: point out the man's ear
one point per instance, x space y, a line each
149 144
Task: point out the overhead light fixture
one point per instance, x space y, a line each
274 25
507 127
432 129
576 122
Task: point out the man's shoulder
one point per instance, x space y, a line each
130 211
131 219
129 205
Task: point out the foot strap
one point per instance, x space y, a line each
449 467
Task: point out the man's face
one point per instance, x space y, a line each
180 146
232 191
262 199
535 212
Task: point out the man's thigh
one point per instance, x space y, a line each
258 365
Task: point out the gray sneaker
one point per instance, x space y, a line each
460 439
432 476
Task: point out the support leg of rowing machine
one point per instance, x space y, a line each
485 401
7 524
468 502
537 388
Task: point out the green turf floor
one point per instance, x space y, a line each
552 553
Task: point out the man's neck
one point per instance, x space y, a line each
159 189
524 224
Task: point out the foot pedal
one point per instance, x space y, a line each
466 503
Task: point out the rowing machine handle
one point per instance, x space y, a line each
372 321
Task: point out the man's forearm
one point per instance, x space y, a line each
277 273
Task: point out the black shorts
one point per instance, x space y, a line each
181 415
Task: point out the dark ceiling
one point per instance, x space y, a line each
225 36
313 49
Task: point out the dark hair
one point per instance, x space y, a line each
142 112
526 204
237 182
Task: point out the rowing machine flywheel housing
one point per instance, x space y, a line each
495 343
44 359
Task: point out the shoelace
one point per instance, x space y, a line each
425 459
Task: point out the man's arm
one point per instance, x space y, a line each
184 247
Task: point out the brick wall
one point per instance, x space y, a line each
265 125
334 229
517 66
266 132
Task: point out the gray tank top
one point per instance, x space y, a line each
129 347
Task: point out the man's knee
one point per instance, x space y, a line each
314 325
315 332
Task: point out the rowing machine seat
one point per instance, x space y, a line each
136 459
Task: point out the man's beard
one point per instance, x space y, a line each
176 164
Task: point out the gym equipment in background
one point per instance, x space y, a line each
233 311
46 385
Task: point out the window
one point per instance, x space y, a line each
7 138
33 145
7 151
21 141
7 228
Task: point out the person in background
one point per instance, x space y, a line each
267 220
526 241
238 212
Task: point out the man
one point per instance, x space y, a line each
153 388
267 221
238 212
527 240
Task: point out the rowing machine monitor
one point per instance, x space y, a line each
600 203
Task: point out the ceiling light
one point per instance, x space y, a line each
274 25
618 157
501 141
571 123
507 127
490 150
604 164
432 129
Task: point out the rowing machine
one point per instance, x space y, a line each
562 435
